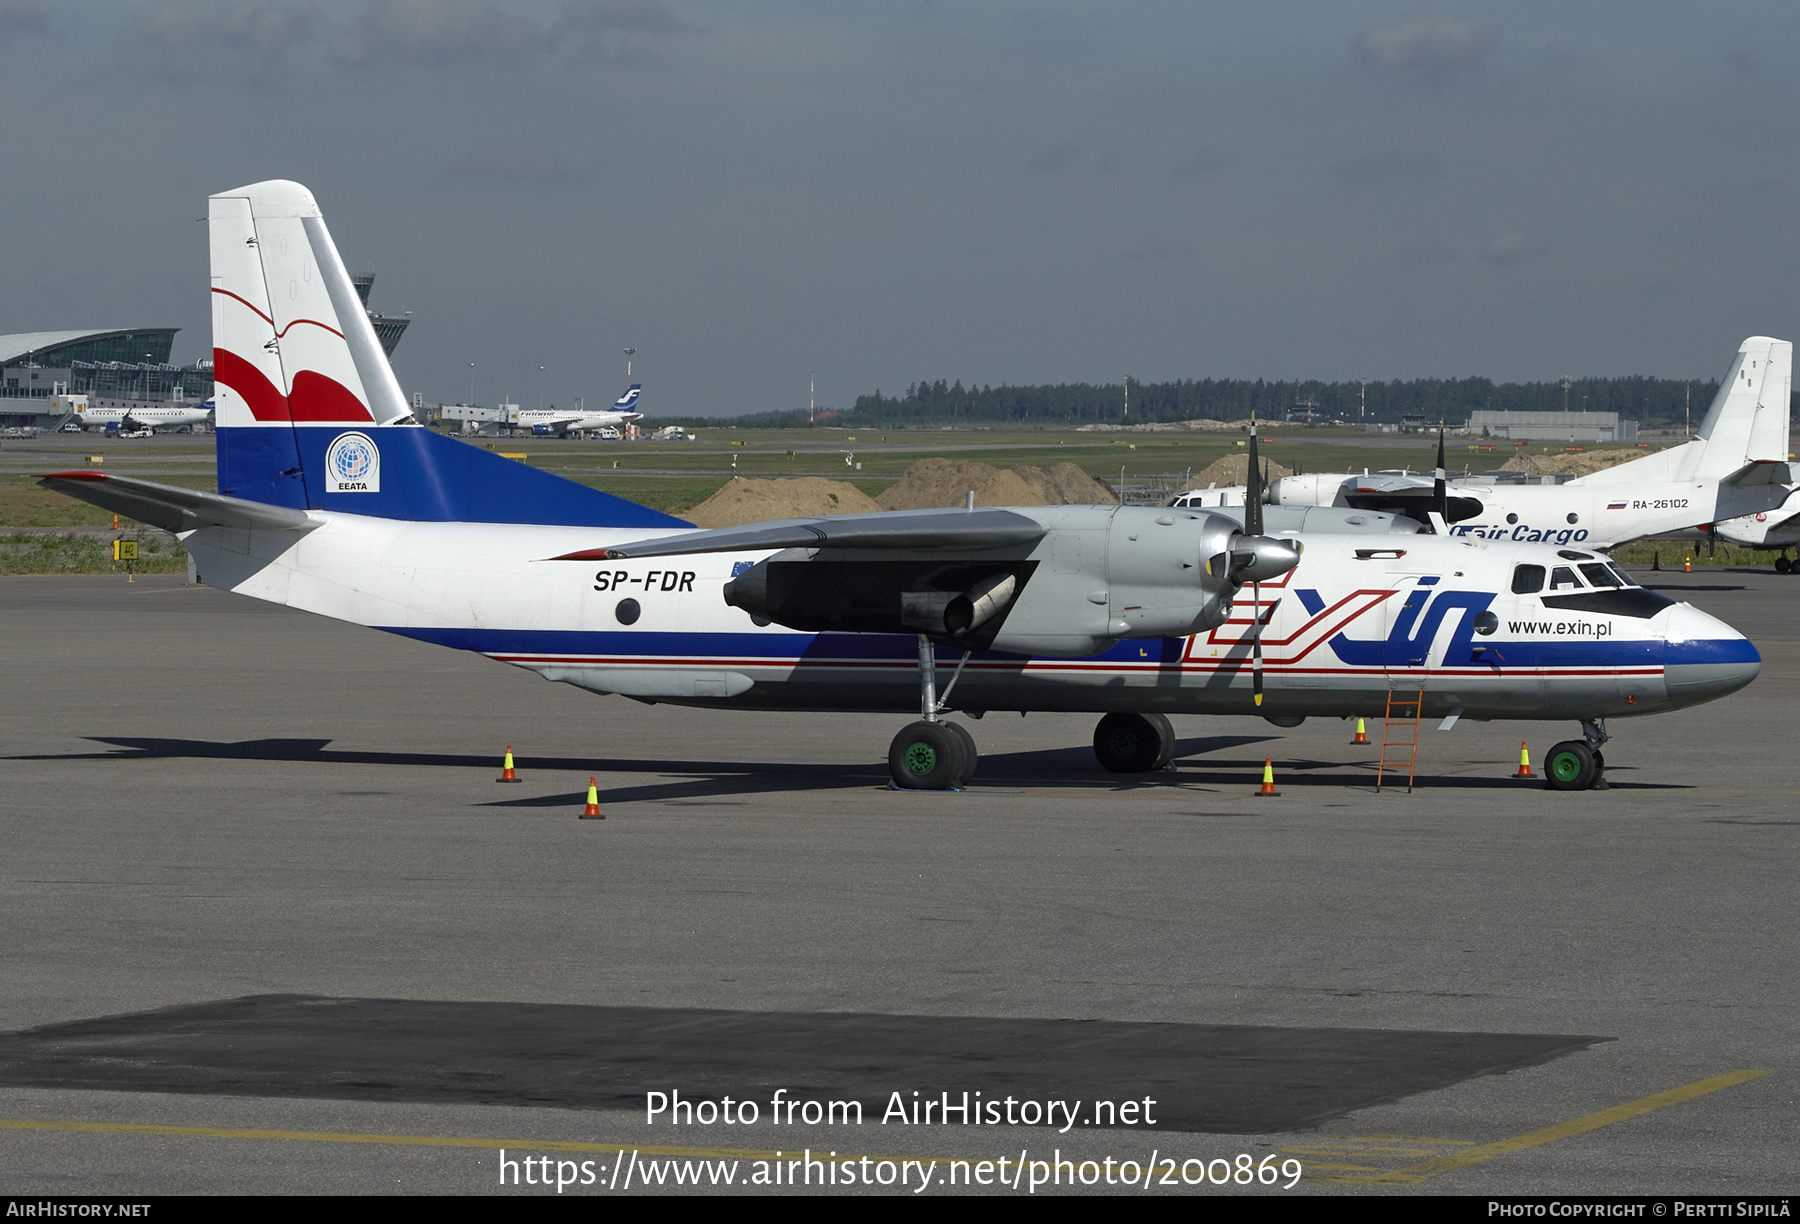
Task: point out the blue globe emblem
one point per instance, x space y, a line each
352 458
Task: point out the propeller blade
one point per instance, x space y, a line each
1256 676
1253 492
1440 498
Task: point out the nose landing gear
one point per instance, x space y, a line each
1578 764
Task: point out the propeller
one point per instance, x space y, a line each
1253 526
1440 497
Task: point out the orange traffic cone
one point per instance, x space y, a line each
507 774
1362 735
593 804
1687 564
1268 787
1524 762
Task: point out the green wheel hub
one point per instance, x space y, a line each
1565 767
921 758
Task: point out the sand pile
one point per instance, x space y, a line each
932 483
1064 484
1570 465
1233 470
757 501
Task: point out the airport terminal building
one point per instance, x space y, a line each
1553 426
125 368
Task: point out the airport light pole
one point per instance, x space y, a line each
628 354
540 388
471 384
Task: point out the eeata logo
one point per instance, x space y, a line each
353 465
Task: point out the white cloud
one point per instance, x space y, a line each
1511 250
1429 47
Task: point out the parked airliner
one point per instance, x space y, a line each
332 500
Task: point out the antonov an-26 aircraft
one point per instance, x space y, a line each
1736 467
333 500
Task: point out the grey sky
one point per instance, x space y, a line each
992 192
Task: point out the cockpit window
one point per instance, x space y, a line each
1562 578
1625 578
1528 579
1599 575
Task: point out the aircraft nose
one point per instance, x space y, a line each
1704 658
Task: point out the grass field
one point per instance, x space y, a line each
32 552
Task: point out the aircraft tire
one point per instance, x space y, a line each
926 756
1167 735
971 754
1130 743
1570 766
1783 565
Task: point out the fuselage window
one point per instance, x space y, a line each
1599 575
1562 578
1528 579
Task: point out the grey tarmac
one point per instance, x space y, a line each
258 878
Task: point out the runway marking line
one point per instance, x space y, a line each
523 1145
1412 1174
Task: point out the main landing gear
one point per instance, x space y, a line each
1579 764
1134 743
932 754
1783 564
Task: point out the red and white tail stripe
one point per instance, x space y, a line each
291 343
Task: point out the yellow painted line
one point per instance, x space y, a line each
1342 1168
540 1145
1577 1126
523 1145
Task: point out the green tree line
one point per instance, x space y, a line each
1649 401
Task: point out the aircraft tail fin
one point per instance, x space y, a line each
308 412
628 401
1746 424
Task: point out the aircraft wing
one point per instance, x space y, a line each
172 508
1411 500
892 529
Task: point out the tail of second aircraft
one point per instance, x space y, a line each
1746 425
309 414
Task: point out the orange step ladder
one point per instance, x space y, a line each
1410 708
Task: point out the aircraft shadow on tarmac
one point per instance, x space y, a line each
1227 1079
1059 768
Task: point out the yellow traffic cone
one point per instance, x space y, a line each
593 803
506 773
1362 735
1268 790
1524 762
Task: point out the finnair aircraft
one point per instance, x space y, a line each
1736 466
333 501
161 416
550 421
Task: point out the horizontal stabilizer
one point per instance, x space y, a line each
1760 472
172 508
895 529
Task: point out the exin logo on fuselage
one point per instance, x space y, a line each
1524 533
353 464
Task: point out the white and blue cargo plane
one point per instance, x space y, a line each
332 500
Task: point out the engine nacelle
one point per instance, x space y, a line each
1098 575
